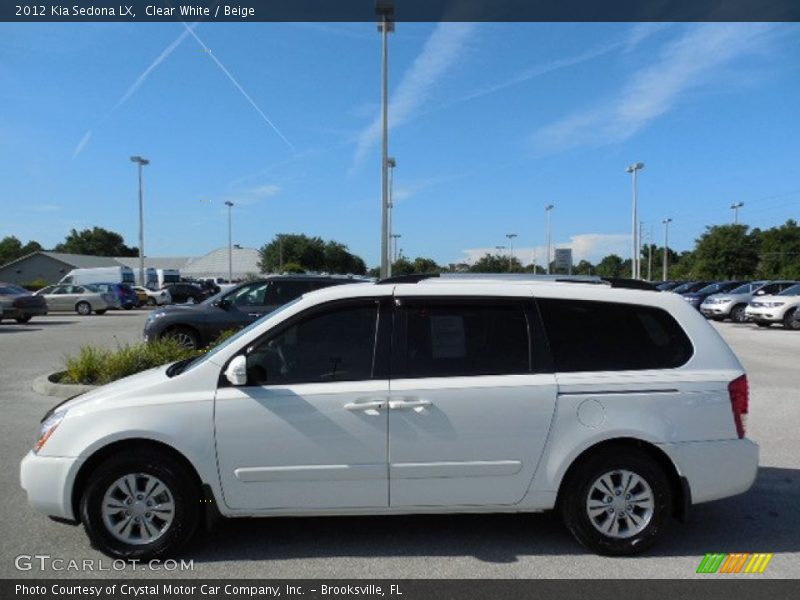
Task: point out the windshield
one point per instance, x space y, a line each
746 288
11 290
791 291
684 287
710 289
204 357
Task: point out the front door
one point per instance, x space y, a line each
309 430
469 413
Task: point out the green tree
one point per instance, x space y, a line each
337 259
584 267
726 252
96 242
12 249
496 263
780 251
612 266
310 253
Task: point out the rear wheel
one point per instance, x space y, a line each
141 506
763 324
83 308
101 311
151 302
24 319
616 502
128 306
791 320
737 313
186 337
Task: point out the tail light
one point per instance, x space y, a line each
739 393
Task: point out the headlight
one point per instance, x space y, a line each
49 426
723 300
774 304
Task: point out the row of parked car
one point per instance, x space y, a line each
762 302
21 305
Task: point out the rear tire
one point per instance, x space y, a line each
163 526
617 501
23 319
737 313
128 307
791 320
83 308
764 325
102 311
151 302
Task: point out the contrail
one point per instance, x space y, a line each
238 86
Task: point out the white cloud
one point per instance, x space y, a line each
585 246
45 208
686 62
264 191
82 144
442 49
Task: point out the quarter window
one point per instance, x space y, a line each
462 339
610 336
336 345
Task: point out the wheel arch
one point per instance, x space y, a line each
129 445
681 494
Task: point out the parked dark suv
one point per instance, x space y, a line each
196 325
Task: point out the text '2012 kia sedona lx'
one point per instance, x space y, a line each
619 408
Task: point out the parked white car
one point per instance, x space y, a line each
155 297
76 298
619 408
780 308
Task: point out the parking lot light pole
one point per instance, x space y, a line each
395 237
392 164
735 208
141 162
666 223
229 204
547 210
510 237
385 12
635 272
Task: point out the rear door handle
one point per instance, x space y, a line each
370 407
415 404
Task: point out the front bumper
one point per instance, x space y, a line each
47 480
716 469
764 315
716 310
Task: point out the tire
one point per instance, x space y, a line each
23 319
83 308
101 311
186 337
737 313
615 464
168 530
128 307
763 324
151 302
791 320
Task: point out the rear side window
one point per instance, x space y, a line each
461 339
610 336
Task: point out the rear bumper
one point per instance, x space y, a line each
717 469
47 481
13 312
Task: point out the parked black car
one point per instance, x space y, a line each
196 325
20 304
690 287
666 286
719 287
186 292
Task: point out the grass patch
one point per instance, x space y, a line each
98 366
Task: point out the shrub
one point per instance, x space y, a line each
35 285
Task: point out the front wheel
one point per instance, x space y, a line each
791 320
737 313
23 319
616 502
151 302
141 506
83 308
186 337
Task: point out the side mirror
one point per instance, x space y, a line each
760 293
223 303
236 373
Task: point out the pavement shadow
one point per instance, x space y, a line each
765 519
17 329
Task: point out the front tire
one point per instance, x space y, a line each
141 506
23 319
83 308
737 313
617 502
186 337
791 320
151 302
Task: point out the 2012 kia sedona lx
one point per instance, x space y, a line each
619 408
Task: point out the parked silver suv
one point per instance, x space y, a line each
731 305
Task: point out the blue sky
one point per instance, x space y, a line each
490 122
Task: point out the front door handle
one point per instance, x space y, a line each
371 407
415 404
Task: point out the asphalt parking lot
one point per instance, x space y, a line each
766 519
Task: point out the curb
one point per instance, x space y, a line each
46 387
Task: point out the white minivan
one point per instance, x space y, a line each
620 408
99 275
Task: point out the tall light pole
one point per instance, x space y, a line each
392 164
395 237
385 11
547 210
735 208
666 223
229 204
650 254
141 162
635 268
511 237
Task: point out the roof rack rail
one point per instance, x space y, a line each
614 282
411 278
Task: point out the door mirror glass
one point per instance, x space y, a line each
236 373
760 293
223 303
